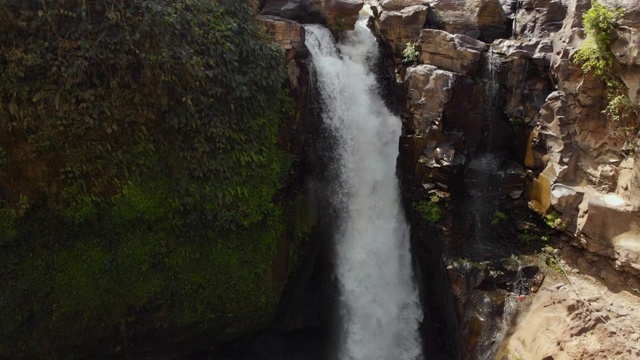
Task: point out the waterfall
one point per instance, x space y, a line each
491 69
379 301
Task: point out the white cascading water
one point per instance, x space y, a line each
379 300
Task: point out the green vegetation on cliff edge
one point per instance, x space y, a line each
596 56
139 160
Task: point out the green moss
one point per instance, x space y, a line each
514 121
160 160
429 210
129 268
81 278
8 232
554 221
227 281
135 204
305 216
498 218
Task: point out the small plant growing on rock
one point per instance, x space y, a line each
621 110
429 209
410 53
553 221
498 218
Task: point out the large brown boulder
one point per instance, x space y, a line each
302 11
480 19
458 53
288 34
429 89
539 17
400 22
631 11
626 49
428 152
337 14
342 14
527 76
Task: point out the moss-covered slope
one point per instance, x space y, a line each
139 160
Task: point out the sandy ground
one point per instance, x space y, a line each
575 316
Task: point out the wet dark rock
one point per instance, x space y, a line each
495 175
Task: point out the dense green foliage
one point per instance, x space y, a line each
595 55
139 160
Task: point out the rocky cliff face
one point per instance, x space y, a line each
499 118
499 78
583 160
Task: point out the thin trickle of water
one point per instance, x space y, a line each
379 300
509 310
491 88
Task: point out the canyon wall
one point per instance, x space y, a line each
499 117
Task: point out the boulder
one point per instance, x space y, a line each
342 14
527 81
480 19
626 49
429 89
427 151
631 11
400 22
539 18
288 34
457 53
337 14
302 11
397 5
612 229
567 200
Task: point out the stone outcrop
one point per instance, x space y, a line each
538 18
481 290
302 11
342 14
400 22
584 170
337 14
427 151
626 49
429 89
457 53
288 34
528 96
574 316
480 19
527 84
